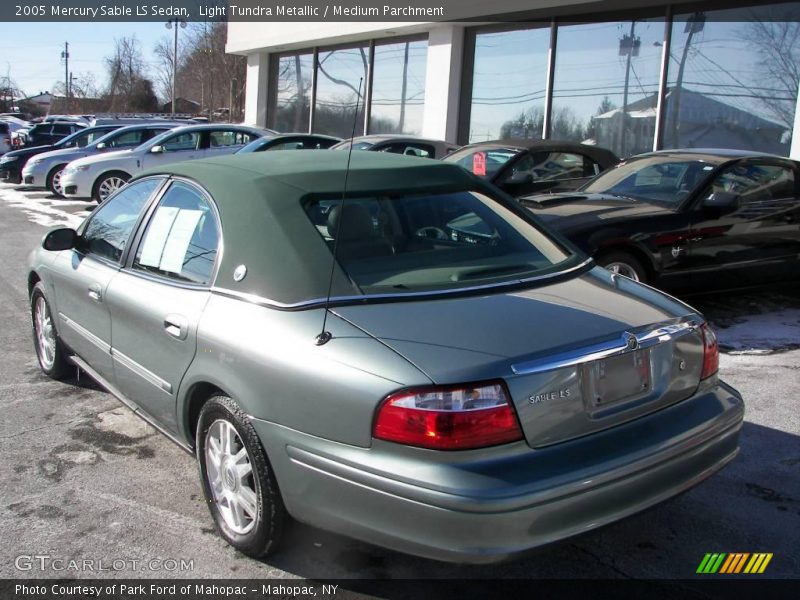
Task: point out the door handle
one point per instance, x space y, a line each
96 292
177 326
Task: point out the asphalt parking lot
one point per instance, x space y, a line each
82 478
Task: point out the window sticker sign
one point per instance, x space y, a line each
479 164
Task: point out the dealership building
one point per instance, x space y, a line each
628 75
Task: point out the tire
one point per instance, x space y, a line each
107 184
53 181
623 263
251 521
49 349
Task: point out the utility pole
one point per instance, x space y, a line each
169 23
403 91
694 24
630 46
65 56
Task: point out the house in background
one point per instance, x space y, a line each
702 122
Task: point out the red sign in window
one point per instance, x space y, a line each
479 164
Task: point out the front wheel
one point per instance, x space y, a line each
49 350
622 263
108 184
54 181
238 482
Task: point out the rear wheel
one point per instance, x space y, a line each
54 181
238 482
108 184
49 350
623 263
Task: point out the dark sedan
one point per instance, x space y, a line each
399 144
687 220
12 163
291 141
521 167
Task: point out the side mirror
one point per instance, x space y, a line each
157 150
723 201
102 146
60 239
520 178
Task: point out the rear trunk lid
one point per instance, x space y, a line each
577 356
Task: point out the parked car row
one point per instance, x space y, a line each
676 219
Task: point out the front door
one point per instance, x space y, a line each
82 275
178 147
756 238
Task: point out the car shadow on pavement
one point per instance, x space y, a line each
749 506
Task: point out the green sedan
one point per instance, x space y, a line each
383 346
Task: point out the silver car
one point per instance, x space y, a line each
98 176
417 363
45 170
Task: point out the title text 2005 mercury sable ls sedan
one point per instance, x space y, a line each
480 388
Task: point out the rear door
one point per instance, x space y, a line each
758 239
226 141
155 340
182 145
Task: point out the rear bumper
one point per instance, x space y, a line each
488 505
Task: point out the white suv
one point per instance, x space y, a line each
99 176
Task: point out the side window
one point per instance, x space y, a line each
293 144
590 168
181 239
422 150
222 139
59 129
754 183
183 141
127 139
110 226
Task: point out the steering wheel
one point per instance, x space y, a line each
431 232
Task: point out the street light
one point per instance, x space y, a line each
168 25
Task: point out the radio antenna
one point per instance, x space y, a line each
325 336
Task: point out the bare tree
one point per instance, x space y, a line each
777 44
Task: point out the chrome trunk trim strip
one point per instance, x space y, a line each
626 342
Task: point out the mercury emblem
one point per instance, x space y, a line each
239 273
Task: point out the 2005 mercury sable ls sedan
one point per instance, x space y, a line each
479 388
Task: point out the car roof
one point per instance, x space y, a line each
597 152
260 196
720 153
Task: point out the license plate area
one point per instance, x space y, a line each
617 378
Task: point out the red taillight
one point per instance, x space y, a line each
449 418
710 352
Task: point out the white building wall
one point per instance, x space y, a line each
255 98
443 82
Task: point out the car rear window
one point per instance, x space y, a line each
483 162
400 244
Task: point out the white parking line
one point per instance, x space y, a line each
44 211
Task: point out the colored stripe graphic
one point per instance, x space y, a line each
728 564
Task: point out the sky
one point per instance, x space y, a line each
31 52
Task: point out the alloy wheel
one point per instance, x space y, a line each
109 185
45 333
621 268
229 471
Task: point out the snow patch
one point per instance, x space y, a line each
47 212
760 333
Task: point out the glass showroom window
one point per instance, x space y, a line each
338 74
733 79
508 84
293 99
398 87
605 88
